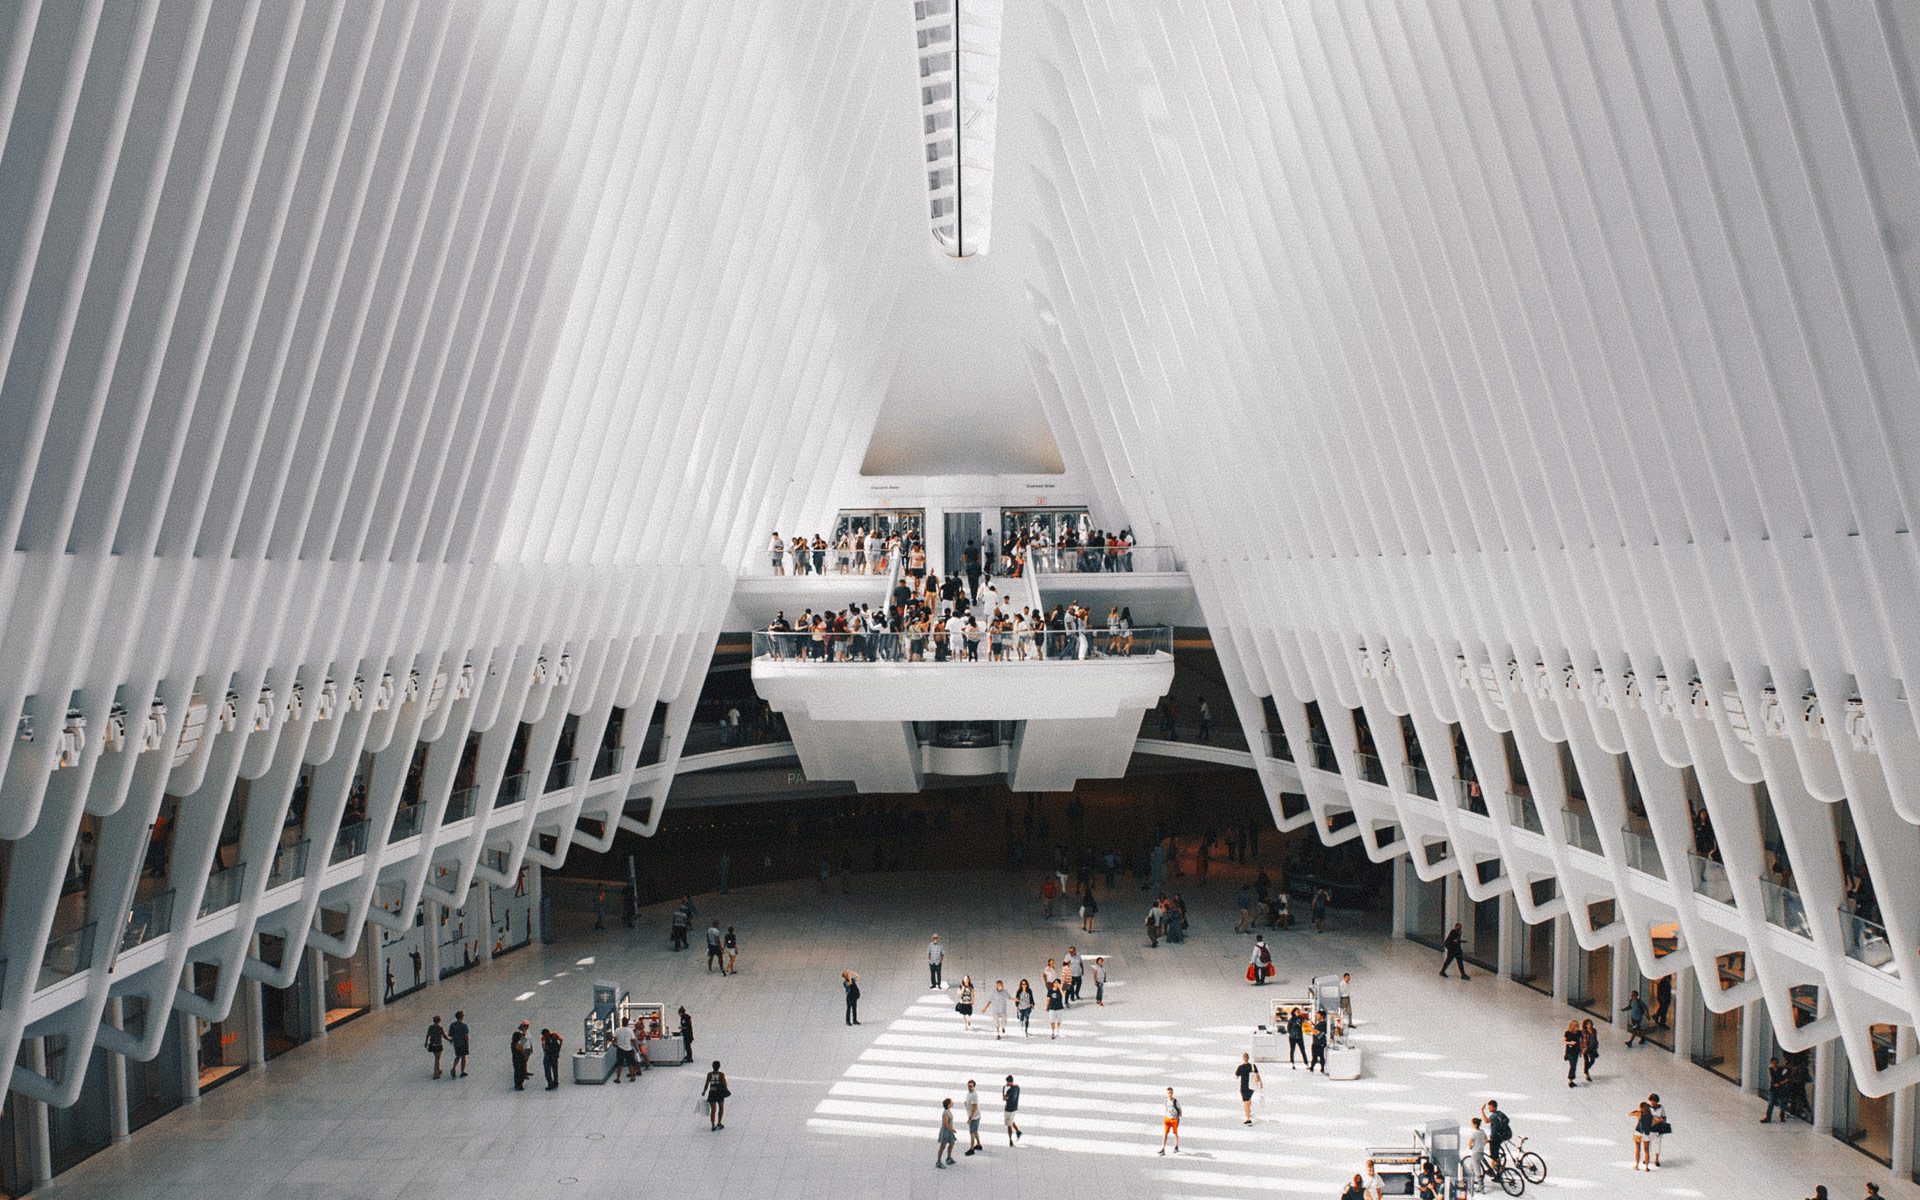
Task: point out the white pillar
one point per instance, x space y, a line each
189 1057
1825 1085
254 1012
1401 866
430 941
1903 1113
39 1135
317 991
483 913
1687 1014
1563 951
1753 1033
117 1117
1622 958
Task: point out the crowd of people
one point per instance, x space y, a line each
872 551
950 623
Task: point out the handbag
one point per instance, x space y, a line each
1250 973
1663 1127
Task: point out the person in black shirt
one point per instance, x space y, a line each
686 1032
521 1050
1455 941
1249 1077
851 984
550 1057
1573 1042
1297 1039
1776 1090
436 1042
457 1037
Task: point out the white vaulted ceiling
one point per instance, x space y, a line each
1544 369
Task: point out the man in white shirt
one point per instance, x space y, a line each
956 637
623 1057
936 954
973 1120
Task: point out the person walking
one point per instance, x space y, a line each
1636 1011
936 955
457 1036
1010 1101
850 983
973 1121
1244 902
715 1089
944 1144
1589 1048
624 1059
520 1049
1455 940
550 1043
1049 892
1056 1002
1088 907
1170 1124
1318 907
997 1005
1260 965
1153 925
1317 1037
1248 1076
1297 1039
1070 968
714 949
1023 1005
1475 1161
1776 1090
1100 981
732 944
965 1006
436 1042
1573 1044
686 1032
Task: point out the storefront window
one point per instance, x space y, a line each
349 986
223 1044
1534 966
84 1128
906 522
1047 523
1426 909
1482 931
154 1087
1720 1032
1866 1122
286 1018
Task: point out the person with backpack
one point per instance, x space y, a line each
1636 1011
1170 1124
1499 1130
1260 968
436 1042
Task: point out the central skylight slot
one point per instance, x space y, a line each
959 46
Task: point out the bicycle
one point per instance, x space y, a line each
1529 1161
1511 1179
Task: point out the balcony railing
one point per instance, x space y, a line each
147 919
1642 852
406 823
350 842
1785 908
607 762
1095 560
1324 758
67 955
562 774
1420 782
1581 831
289 864
513 789
1709 878
1521 810
1468 796
1372 769
460 805
982 650
223 889
1867 941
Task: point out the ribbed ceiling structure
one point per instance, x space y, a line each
381 374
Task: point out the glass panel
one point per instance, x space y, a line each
289 864
67 955
1720 1032
350 842
460 805
146 919
513 789
1524 814
1468 796
1372 769
1866 1122
223 889
560 774
1535 968
1426 909
1581 832
1593 983
1087 559
1420 782
1867 942
406 823
1710 878
1784 908
975 647
1642 853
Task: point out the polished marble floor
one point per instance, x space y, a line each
821 1109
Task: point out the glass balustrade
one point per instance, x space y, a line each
513 789
983 649
1468 796
1581 831
1521 810
350 842
1785 908
561 774
223 889
147 919
406 823
460 805
1709 878
1420 782
607 762
1372 769
1867 941
1095 560
1324 758
289 865
1643 854
67 955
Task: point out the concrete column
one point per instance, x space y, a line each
1508 958
1563 952
1825 1083
1687 1014
1622 975
34 1112
430 941
1402 866
189 1057
117 1117
482 912
1753 1036
376 969
317 991
1453 901
1903 1113
253 1006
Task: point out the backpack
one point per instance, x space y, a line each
1502 1127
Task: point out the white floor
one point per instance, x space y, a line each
823 1110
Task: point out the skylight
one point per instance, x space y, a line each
959 48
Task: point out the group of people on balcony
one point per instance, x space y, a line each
854 552
1070 551
872 552
960 632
